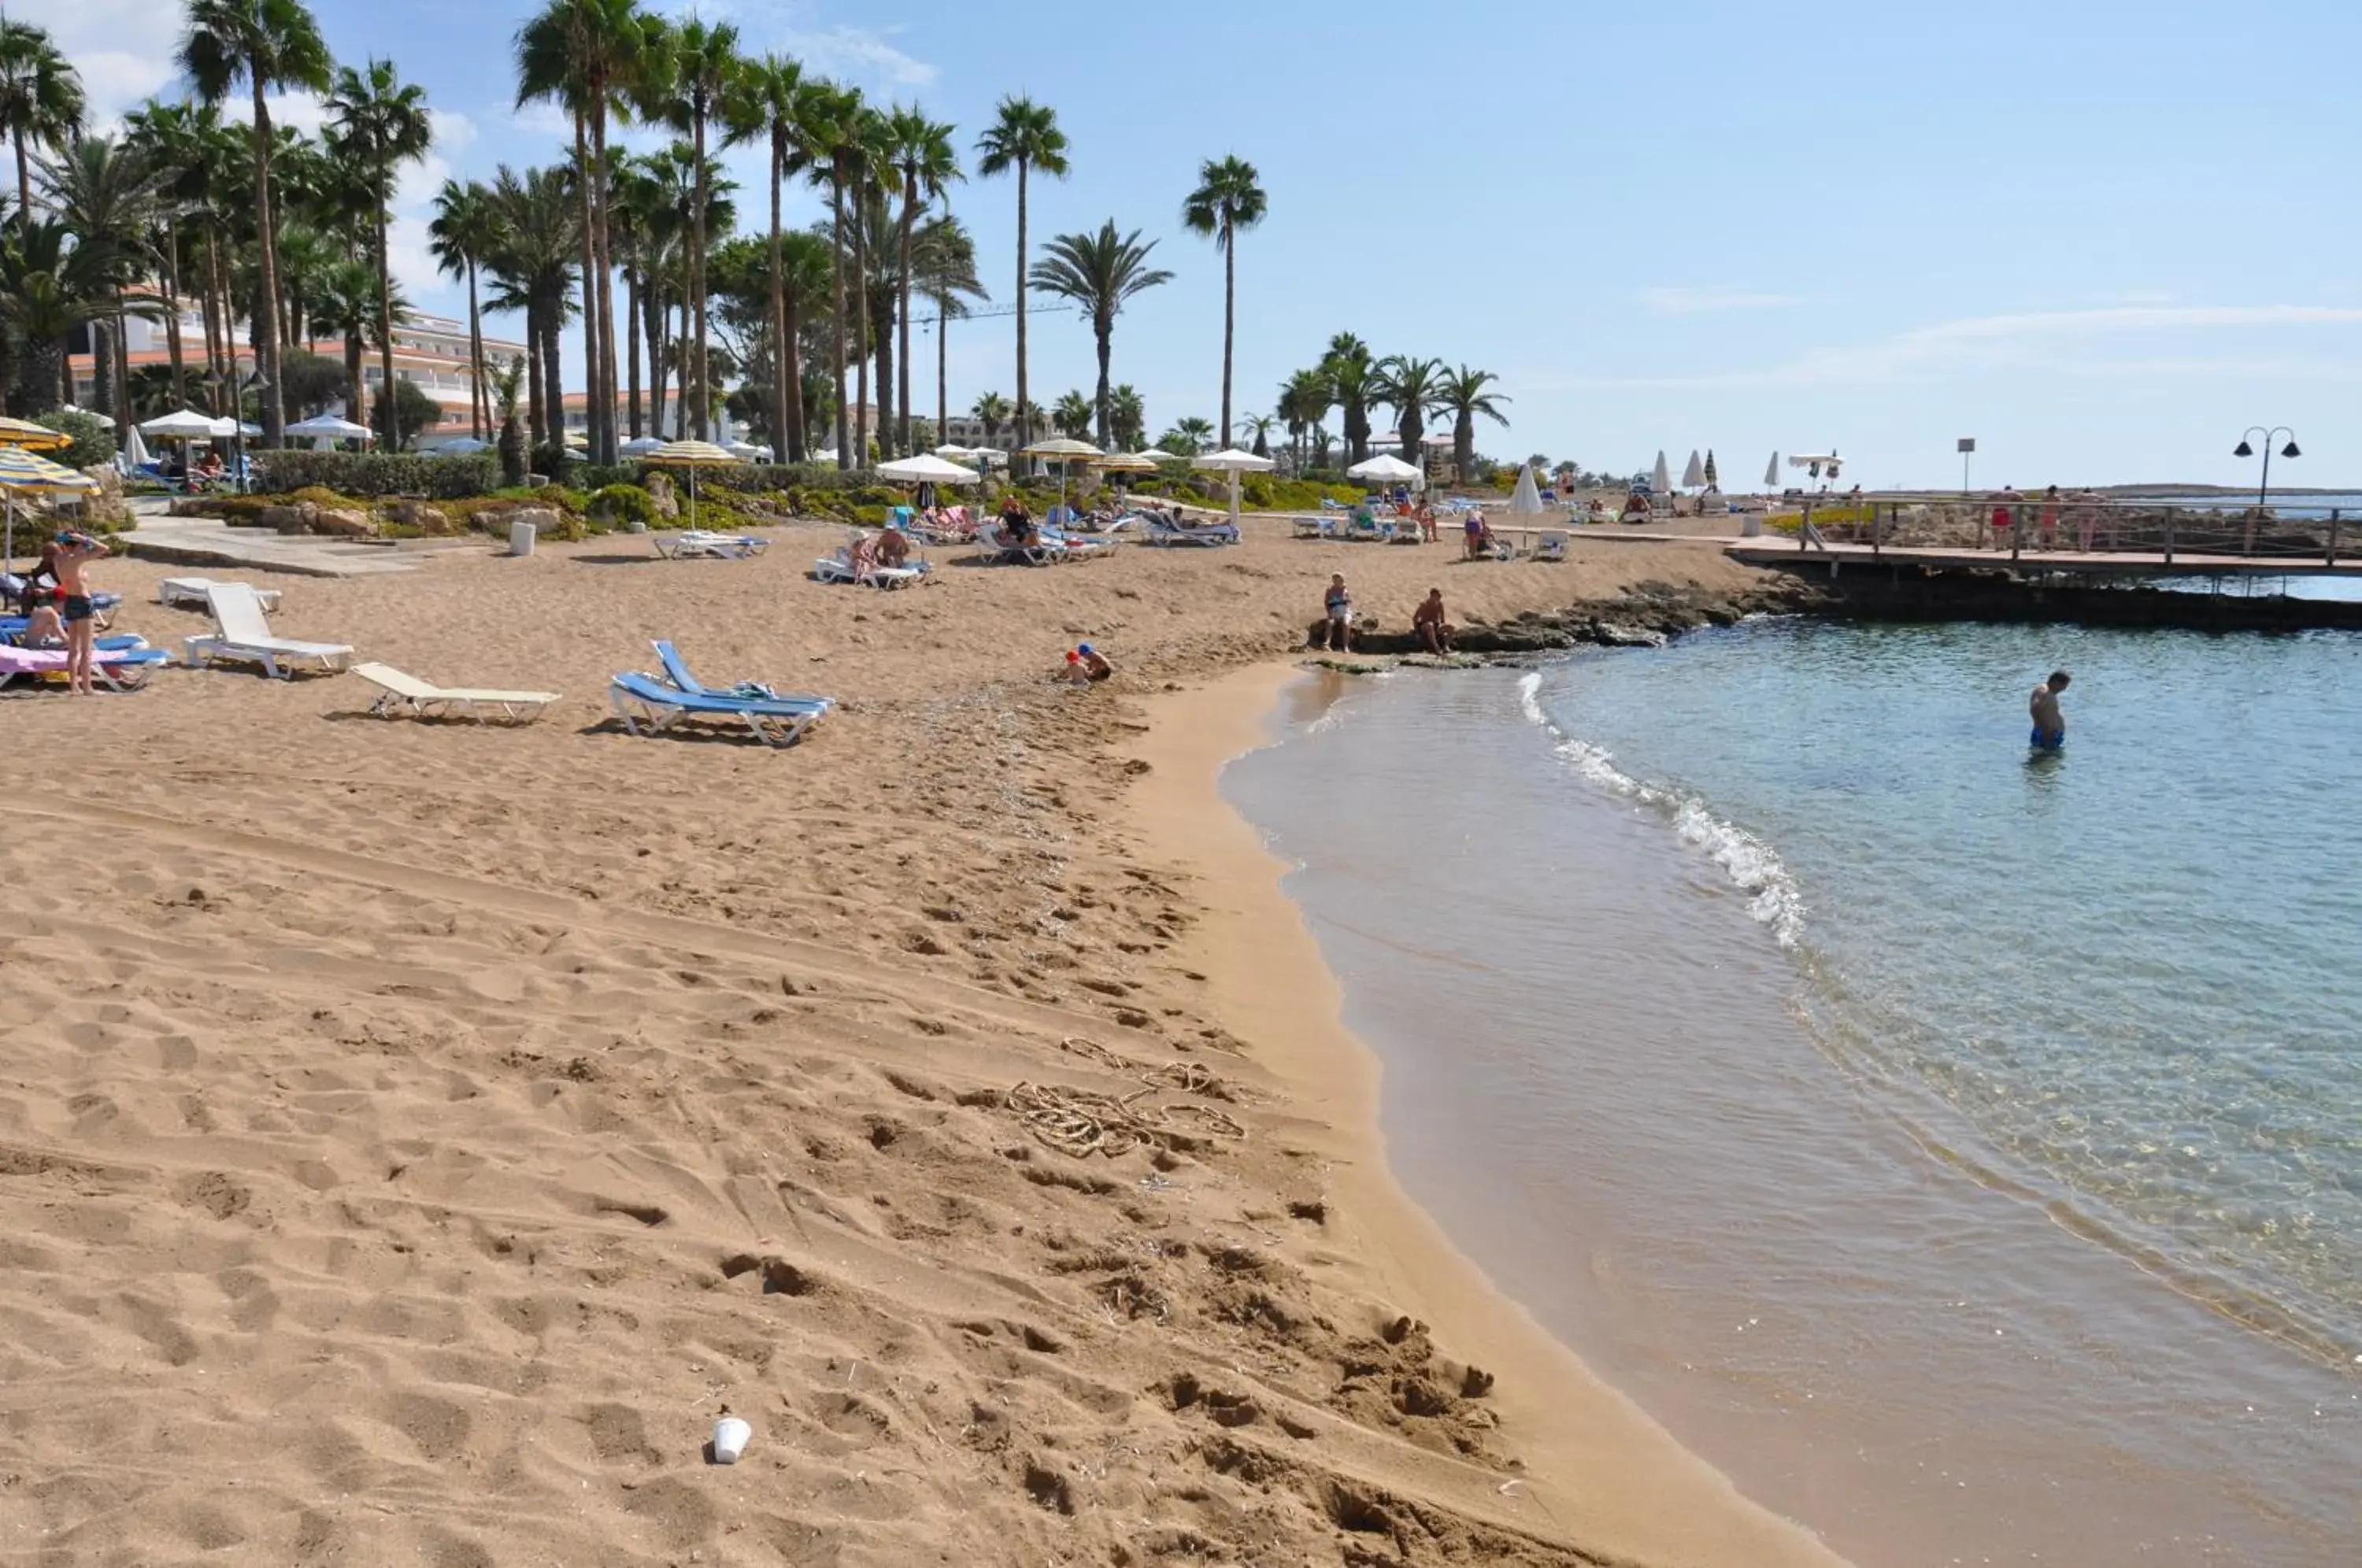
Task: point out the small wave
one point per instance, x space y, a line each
1752 866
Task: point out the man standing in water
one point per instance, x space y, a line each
2050 724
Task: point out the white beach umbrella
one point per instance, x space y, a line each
953 452
1064 451
639 445
465 447
1772 473
1386 469
184 425
924 468
1236 463
135 450
1663 480
1693 475
331 427
1158 455
1526 499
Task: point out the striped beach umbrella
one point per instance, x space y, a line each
32 438
692 456
22 473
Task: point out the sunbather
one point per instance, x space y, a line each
892 550
1480 536
1017 524
44 628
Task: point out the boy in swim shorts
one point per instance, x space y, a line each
72 552
2050 724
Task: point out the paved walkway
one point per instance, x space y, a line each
207 542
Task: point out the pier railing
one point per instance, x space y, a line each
2038 530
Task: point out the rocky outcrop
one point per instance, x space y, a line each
1645 616
659 489
341 522
419 515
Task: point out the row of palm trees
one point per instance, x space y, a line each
1353 382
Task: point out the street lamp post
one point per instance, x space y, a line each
2264 484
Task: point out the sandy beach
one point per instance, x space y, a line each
413 1136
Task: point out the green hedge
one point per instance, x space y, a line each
378 473
93 439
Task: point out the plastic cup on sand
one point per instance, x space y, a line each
731 1436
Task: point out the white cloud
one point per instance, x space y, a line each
838 47
1699 301
93 34
2025 338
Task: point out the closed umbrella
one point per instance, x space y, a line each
1772 473
1711 482
134 451
692 456
1526 499
1664 477
22 473
1694 477
1236 463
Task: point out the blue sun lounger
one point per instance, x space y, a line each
676 670
650 707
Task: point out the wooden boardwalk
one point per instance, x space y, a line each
1774 552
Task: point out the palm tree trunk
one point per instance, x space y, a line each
480 394
836 203
1106 332
861 328
356 406
24 184
602 439
1230 320
591 323
943 369
266 316
1463 446
173 320
783 403
909 216
210 299
697 410
553 365
390 438
632 338
1024 434
799 446
881 322
122 377
652 318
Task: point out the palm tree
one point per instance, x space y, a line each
646 226
833 126
1227 199
48 289
1187 437
594 57
1073 415
1462 395
40 101
345 300
173 137
537 247
805 277
771 99
704 59
920 149
1262 424
1025 137
1303 402
380 124
1099 272
1127 416
1352 375
459 237
868 225
991 410
106 194
1414 389
267 44
944 260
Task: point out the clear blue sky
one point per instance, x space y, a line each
2102 237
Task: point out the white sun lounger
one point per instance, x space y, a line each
241 632
188 590
400 694
838 567
692 542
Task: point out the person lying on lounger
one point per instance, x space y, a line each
1017 524
45 628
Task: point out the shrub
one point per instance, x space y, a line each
93 439
622 503
378 473
553 460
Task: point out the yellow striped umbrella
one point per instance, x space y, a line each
21 473
692 456
34 437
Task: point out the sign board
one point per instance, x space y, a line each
1968 443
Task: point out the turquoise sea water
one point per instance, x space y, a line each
1963 1148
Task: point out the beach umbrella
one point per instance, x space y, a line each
1157 454
22 473
640 446
185 425
1662 479
926 468
1711 482
135 450
32 438
692 456
1235 463
1693 475
1526 499
953 452
1385 469
331 427
1064 450
1772 473
1126 463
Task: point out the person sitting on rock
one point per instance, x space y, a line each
1429 623
1338 608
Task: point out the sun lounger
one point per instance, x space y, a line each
1323 527
241 632
676 672
1068 548
399 693
1365 528
1042 552
179 591
838 567
118 669
1164 530
650 706
699 542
